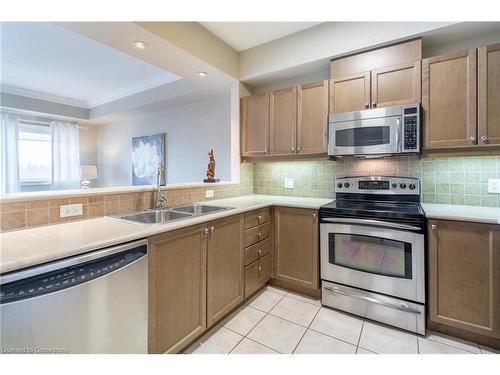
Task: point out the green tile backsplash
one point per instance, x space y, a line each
457 180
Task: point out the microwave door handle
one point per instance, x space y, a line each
377 223
398 134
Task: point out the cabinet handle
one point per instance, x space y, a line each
205 230
472 140
434 226
314 215
293 150
484 138
259 218
374 105
212 229
259 269
259 252
367 105
259 235
298 148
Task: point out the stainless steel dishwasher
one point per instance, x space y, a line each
91 303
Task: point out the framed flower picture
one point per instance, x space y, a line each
147 152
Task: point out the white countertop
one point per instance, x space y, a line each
490 215
29 247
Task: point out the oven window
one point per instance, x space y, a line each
370 254
365 136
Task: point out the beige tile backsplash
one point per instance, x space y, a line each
454 180
29 213
457 180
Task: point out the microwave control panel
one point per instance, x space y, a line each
411 128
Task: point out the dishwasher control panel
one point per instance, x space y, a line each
68 277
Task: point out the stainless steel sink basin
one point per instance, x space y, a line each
200 209
167 215
155 216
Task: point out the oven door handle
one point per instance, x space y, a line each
402 306
377 223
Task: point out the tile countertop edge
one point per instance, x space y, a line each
93 234
487 215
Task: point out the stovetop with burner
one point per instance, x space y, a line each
394 199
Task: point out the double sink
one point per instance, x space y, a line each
167 215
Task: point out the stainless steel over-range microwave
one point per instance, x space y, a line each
375 132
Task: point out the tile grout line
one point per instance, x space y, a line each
302 337
360 333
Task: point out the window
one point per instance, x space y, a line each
35 157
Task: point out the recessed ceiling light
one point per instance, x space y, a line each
140 44
201 74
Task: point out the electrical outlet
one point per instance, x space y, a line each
209 193
494 185
70 210
289 183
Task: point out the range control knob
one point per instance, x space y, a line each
394 185
412 186
339 185
402 186
346 184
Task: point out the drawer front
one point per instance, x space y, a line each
257 251
257 234
257 217
257 274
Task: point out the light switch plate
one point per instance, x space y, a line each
494 185
209 193
289 183
70 210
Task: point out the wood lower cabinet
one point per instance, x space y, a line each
489 95
224 267
396 85
312 118
257 274
283 122
449 100
296 246
255 125
464 276
350 93
177 289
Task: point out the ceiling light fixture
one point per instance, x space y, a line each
201 74
140 44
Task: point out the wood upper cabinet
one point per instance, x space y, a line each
177 289
255 125
464 276
312 118
283 121
489 95
396 85
224 267
296 246
449 100
350 93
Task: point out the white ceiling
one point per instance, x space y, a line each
47 61
244 35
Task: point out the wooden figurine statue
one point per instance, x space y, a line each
211 168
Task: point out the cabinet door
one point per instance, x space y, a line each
255 125
464 275
350 93
284 121
296 246
396 85
177 289
224 267
312 112
489 95
449 100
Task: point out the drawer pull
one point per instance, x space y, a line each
259 235
259 217
259 252
259 269
212 229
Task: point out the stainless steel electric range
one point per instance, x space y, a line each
373 250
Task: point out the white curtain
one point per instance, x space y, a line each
65 155
9 160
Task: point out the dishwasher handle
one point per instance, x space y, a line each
70 272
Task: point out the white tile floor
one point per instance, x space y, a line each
277 321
